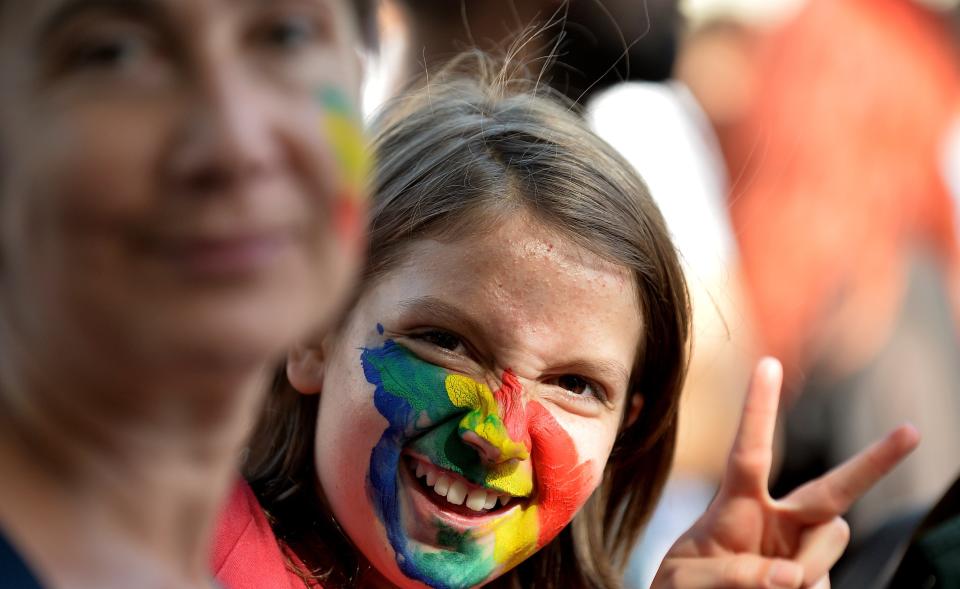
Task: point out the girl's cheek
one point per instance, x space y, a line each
564 479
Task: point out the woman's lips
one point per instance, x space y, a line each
226 256
451 497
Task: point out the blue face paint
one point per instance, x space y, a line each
411 392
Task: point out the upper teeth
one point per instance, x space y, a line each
456 491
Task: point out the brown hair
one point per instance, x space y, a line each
461 153
366 12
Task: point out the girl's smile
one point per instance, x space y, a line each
458 498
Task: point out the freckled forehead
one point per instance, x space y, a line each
522 245
540 246
528 277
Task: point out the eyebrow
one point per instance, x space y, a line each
427 306
146 10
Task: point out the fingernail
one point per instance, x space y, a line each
911 432
785 575
772 366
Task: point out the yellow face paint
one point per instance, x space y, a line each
344 129
483 419
515 537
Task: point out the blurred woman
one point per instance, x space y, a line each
179 189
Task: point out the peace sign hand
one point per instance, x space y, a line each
748 540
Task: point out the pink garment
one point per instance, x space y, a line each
246 553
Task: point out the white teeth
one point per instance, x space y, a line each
457 493
477 499
442 486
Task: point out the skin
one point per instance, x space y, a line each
558 351
748 540
180 202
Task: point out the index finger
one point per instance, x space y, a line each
748 467
832 494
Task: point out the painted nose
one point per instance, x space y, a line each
492 443
488 453
494 423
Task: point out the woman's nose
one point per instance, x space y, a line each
227 138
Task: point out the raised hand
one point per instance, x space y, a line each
748 540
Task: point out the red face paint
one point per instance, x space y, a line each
509 398
348 219
563 484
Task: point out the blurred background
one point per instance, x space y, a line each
806 156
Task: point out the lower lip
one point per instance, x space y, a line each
427 505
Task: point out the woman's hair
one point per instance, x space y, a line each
366 12
453 159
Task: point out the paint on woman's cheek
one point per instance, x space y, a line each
432 412
344 129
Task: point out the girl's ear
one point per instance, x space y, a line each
305 365
633 409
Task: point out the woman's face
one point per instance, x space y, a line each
177 177
470 407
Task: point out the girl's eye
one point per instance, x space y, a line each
440 339
578 386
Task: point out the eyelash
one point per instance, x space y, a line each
431 337
598 392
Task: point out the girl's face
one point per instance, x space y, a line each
171 169
469 409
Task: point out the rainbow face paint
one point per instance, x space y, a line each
493 442
344 129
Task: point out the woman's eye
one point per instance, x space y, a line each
109 52
440 339
290 33
578 385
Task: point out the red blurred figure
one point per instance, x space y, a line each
837 179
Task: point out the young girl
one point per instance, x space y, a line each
179 205
499 406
